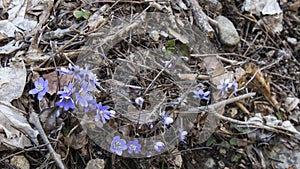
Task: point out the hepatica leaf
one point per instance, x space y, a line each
82 14
78 14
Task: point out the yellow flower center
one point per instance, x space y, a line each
117 144
41 88
133 147
101 112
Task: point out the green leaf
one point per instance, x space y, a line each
211 141
184 50
78 14
236 158
85 14
233 141
225 144
168 53
171 44
240 129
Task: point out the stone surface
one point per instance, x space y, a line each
285 157
292 41
210 163
95 164
20 162
227 32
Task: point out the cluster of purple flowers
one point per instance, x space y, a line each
225 85
118 145
88 82
80 89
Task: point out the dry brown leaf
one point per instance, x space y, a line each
13 124
77 140
53 81
260 84
263 107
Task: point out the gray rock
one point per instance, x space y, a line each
292 41
210 163
95 164
227 32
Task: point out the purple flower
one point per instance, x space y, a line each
133 146
66 103
234 86
92 105
183 135
65 71
223 86
167 120
83 96
201 95
85 75
104 113
159 146
68 90
78 75
118 145
139 101
41 87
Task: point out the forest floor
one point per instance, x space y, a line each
194 89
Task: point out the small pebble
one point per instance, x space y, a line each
292 41
227 32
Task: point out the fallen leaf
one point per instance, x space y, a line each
13 123
291 103
272 23
8 29
263 107
77 140
10 47
265 7
260 84
12 81
53 81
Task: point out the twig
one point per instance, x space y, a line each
256 125
34 119
201 19
216 106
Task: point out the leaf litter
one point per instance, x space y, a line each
277 84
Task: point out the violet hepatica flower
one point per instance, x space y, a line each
159 146
223 86
133 146
92 105
65 71
41 88
83 96
104 113
167 120
234 86
139 101
183 135
118 145
66 103
201 95
68 90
